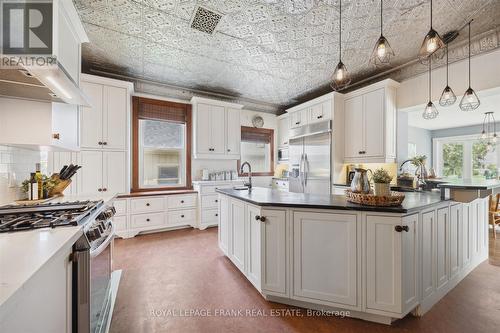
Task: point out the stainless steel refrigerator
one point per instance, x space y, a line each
310 158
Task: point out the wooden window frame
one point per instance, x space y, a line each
265 131
136 101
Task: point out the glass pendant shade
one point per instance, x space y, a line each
341 77
469 101
430 111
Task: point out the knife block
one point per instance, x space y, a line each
59 188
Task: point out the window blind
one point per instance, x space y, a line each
161 110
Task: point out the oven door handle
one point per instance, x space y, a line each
94 253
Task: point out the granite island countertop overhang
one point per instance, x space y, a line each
260 196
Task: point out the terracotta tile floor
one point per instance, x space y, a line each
184 269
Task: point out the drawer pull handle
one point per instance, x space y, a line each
400 228
147 220
298 122
147 204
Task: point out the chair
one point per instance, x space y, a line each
494 213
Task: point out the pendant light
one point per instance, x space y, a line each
430 111
432 42
469 101
448 97
341 77
489 133
382 52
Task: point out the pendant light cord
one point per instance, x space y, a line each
431 14
340 31
430 97
469 54
381 8
447 66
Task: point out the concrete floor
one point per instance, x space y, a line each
166 273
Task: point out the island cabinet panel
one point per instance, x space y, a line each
274 252
455 240
325 258
442 244
392 260
224 221
237 233
253 258
466 235
428 253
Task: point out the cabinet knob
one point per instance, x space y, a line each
104 189
216 200
147 220
105 143
228 150
99 189
261 218
319 117
100 143
182 215
56 136
147 204
298 122
400 228
216 214
182 201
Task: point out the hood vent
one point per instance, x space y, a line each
205 20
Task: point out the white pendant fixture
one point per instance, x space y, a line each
341 77
489 133
432 42
382 52
448 97
469 101
430 111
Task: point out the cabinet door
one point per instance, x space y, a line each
442 252
319 275
65 126
283 128
354 127
224 217
90 175
374 129
253 248
274 248
321 112
115 171
233 129
428 253
203 130
91 118
115 118
474 225
466 234
410 263
455 239
217 129
383 263
298 118
237 237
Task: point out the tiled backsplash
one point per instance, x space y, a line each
16 164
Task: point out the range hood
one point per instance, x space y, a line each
41 83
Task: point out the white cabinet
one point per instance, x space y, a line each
328 272
104 124
224 220
428 253
253 246
217 129
320 112
102 171
237 233
283 128
299 118
455 240
391 264
313 111
442 250
370 123
274 257
466 235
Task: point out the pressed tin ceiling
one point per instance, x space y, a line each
270 51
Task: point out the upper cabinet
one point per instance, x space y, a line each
313 111
283 128
104 125
217 129
370 123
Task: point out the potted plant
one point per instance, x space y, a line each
382 180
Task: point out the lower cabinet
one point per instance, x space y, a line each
455 240
391 264
253 248
326 257
237 233
442 247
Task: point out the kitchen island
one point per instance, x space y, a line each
377 263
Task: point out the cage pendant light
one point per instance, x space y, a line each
489 133
448 97
432 42
341 77
382 52
469 101
430 111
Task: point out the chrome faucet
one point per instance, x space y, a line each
249 184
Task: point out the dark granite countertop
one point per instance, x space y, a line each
468 184
267 197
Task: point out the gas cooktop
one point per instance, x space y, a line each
47 215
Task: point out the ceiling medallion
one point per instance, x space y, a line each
382 52
448 97
469 101
341 77
432 42
430 111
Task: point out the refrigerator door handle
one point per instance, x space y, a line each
301 171
306 170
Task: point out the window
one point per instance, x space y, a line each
464 157
161 146
257 148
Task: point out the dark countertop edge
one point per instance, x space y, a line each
468 187
379 209
154 193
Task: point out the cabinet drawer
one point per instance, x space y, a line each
120 207
120 223
181 201
146 205
208 201
209 216
210 189
146 220
185 216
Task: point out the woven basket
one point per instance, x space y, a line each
395 199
